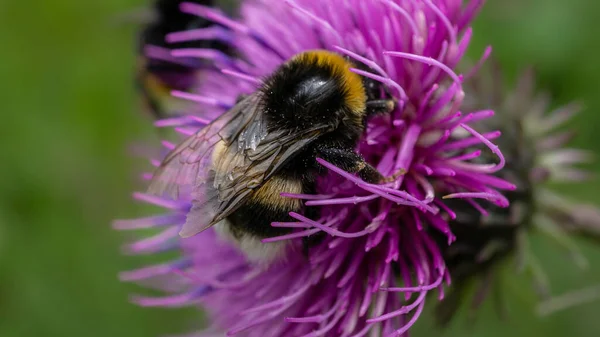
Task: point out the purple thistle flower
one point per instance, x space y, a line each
372 274
536 157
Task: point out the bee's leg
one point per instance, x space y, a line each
352 162
370 174
380 106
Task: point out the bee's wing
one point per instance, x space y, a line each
188 165
244 168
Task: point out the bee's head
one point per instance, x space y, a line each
315 87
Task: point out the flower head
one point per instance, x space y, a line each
371 274
536 157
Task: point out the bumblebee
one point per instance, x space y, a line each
155 79
267 144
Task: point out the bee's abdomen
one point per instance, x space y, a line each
266 206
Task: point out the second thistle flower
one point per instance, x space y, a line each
534 145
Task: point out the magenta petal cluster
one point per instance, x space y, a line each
372 274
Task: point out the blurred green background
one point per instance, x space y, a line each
69 113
